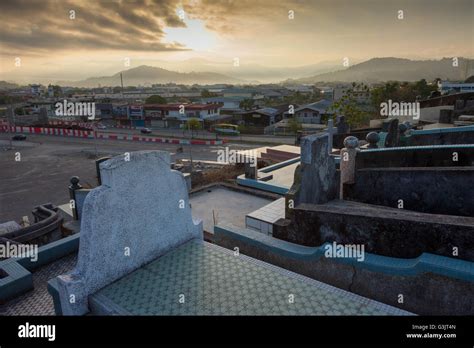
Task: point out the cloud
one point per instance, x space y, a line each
30 26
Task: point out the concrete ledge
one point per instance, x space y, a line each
261 184
17 281
445 281
444 130
19 278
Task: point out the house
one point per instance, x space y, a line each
362 96
176 115
302 89
271 94
104 110
446 87
311 113
326 92
230 105
239 92
260 118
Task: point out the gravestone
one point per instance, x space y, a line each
140 212
331 132
347 164
393 133
9 226
251 171
341 125
318 171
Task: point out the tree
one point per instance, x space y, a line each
350 108
246 104
294 126
206 94
193 124
19 111
155 99
470 79
401 92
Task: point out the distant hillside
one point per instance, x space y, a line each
397 69
8 85
148 75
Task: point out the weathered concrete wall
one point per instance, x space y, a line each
447 190
317 170
416 157
441 138
431 114
424 293
383 231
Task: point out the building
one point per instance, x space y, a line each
36 90
260 118
326 92
176 115
446 87
362 96
303 89
230 105
239 92
136 115
104 110
311 113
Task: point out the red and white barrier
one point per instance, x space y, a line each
123 127
106 136
49 131
72 123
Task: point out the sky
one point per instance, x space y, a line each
74 39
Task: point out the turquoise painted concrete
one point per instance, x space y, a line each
426 262
443 130
422 147
20 279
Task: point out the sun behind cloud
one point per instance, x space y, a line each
194 36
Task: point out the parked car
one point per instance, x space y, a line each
145 130
101 126
19 137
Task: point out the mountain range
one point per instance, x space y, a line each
148 75
207 72
398 69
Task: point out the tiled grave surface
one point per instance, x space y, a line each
262 219
39 301
216 282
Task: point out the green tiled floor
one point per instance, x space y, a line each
216 282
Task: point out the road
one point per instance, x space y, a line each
48 162
203 134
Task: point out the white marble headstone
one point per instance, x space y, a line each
140 212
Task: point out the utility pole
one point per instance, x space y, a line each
11 120
121 83
190 148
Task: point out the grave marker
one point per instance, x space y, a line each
136 209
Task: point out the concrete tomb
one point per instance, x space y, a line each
140 212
